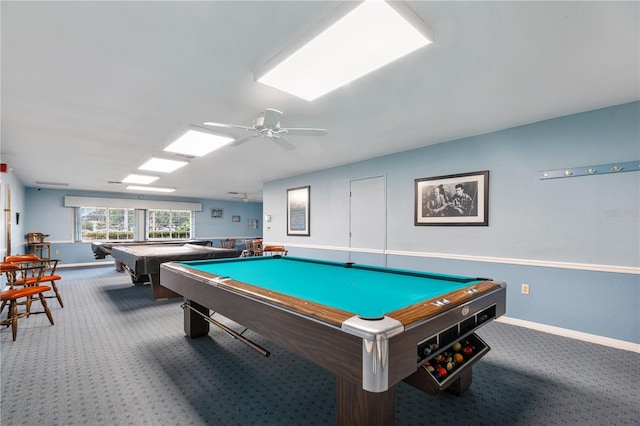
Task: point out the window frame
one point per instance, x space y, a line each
106 211
148 231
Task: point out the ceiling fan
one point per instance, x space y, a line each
267 125
239 196
244 196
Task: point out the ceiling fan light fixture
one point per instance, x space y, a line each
150 188
365 39
197 142
162 165
140 179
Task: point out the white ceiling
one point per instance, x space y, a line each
90 90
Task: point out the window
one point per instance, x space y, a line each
168 224
129 219
101 223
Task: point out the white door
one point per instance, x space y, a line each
368 221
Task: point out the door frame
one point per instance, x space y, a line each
383 250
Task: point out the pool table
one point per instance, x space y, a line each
143 261
102 249
371 326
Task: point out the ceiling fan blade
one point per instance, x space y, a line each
243 140
284 144
271 118
228 126
306 132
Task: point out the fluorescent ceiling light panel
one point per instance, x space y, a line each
141 179
39 182
369 37
197 142
162 165
150 188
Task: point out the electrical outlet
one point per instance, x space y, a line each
525 288
57 252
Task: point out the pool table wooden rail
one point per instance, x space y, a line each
331 315
410 315
414 314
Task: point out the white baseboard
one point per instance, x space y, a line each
578 335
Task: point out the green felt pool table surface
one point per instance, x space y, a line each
366 291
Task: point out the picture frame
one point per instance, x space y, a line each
452 200
253 223
298 211
235 218
217 213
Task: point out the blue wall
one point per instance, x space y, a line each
44 212
576 241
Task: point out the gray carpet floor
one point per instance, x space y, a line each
117 357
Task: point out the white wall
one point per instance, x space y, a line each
8 180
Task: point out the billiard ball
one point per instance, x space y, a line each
458 358
457 346
467 350
443 372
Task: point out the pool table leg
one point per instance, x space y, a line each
462 383
355 406
139 280
194 324
160 292
425 382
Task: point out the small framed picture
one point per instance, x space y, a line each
298 211
235 218
253 223
217 213
453 200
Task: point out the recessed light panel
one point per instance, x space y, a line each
39 182
141 179
150 188
162 165
370 36
197 142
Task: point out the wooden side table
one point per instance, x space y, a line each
39 249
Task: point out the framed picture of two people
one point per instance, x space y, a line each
453 200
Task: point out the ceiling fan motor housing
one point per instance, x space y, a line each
258 123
